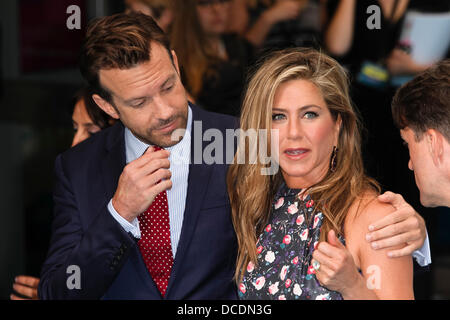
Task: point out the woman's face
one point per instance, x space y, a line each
213 15
307 133
83 125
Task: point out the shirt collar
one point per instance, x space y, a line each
135 148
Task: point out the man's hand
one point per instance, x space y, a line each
140 182
25 286
403 226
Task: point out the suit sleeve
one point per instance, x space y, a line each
81 263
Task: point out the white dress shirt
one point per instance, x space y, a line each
176 196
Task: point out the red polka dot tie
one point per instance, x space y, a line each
154 244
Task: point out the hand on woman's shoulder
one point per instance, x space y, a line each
395 274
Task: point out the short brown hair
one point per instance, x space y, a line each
118 41
424 102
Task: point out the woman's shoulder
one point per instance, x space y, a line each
367 209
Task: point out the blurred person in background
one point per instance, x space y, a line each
277 24
371 56
87 119
213 62
160 10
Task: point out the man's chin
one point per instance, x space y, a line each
166 140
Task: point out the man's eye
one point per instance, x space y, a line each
137 105
166 89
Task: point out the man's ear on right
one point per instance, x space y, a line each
105 106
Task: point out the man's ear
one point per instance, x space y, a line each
435 142
175 61
105 106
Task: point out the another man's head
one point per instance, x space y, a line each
421 110
126 58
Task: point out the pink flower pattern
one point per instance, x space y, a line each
284 251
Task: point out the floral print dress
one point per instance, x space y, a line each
283 270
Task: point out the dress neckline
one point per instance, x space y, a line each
285 191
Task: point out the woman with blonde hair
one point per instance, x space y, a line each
320 194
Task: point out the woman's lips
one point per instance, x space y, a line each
296 153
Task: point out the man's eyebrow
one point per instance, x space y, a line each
131 100
171 78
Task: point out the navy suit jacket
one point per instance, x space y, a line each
85 235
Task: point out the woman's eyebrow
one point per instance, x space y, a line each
309 106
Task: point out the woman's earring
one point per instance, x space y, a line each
333 161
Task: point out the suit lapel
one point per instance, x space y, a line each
114 161
198 180
112 167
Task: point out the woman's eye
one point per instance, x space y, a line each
278 116
310 115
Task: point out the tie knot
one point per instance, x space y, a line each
157 148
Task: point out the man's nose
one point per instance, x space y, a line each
162 109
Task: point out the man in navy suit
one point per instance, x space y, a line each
106 182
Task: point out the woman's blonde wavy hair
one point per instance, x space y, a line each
251 193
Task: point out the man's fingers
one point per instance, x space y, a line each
150 155
406 251
390 219
155 164
399 240
156 177
14 297
162 186
388 231
27 280
25 290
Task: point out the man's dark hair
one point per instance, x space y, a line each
118 41
424 102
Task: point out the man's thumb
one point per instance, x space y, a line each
396 200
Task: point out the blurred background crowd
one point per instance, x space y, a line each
45 107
